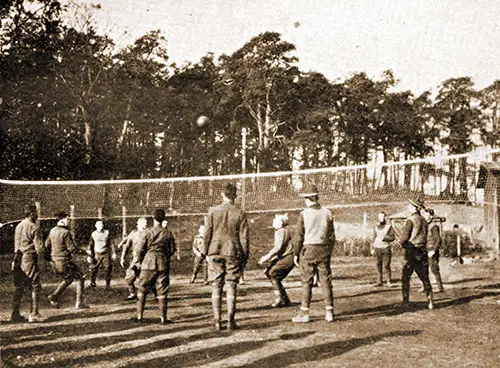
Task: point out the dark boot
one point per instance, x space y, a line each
231 307
193 278
16 307
80 303
53 298
141 304
216 306
437 275
163 303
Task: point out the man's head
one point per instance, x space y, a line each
230 192
428 214
381 217
99 225
201 229
142 223
310 194
415 205
280 221
62 218
159 215
30 212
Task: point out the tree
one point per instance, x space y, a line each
490 114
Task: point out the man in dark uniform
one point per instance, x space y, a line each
102 253
414 240
28 247
135 241
227 250
154 257
314 241
433 246
59 245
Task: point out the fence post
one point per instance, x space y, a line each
124 221
99 213
72 222
459 245
365 220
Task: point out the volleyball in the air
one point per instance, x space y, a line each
202 121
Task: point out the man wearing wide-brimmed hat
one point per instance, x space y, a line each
414 240
314 241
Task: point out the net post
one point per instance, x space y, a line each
99 213
38 212
243 164
72 222
365 220
124 221
459 245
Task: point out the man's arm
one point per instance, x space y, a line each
405 234
48 249
37 241
390 236
279 244
434 241
244 240
207 236
299 235
91 248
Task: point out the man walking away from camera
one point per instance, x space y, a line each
314 241
28 247
227 251
414 241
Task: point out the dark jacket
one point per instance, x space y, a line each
59 244
27 238
134 240
158 246
226 232
433 238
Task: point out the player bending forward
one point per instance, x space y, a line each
59 246
279 260
315 238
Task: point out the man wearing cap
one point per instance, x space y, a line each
60 245
28 246
414 240
154 257
227 250
133 241
314 241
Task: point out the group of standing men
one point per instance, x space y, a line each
225 247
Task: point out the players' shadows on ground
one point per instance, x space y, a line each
199 358
158 345
324 351
88 342
465 299
371 292
463 281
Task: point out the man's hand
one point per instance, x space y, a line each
296 260
114 256
13 266
262 260
431 253
372 252
122 262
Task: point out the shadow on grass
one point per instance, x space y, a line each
324 351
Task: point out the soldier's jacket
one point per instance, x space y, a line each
433 238
314 227
59 244
226 232
283 246
135 240
100 243
27 238
414 232
158 246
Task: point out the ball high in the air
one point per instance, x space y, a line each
202 121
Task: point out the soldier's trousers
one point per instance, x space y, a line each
383 256
434 267
26 276
416 259
316 258
68 271
104 260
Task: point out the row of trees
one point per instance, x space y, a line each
72 106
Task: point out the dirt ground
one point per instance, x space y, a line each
370 330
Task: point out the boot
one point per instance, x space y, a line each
231 307
132 296
80 304
439 283
302 317
163 310
16 306
141 304
329 314
279 302
216 306
193 278
34 315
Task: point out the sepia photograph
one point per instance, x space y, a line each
260 183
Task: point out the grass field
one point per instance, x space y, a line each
370 329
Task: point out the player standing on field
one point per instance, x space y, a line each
314 241
414 240
381 248
59 246
199 258
101 253
227 250
28 247
154 256
433 245
135 242
279 259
